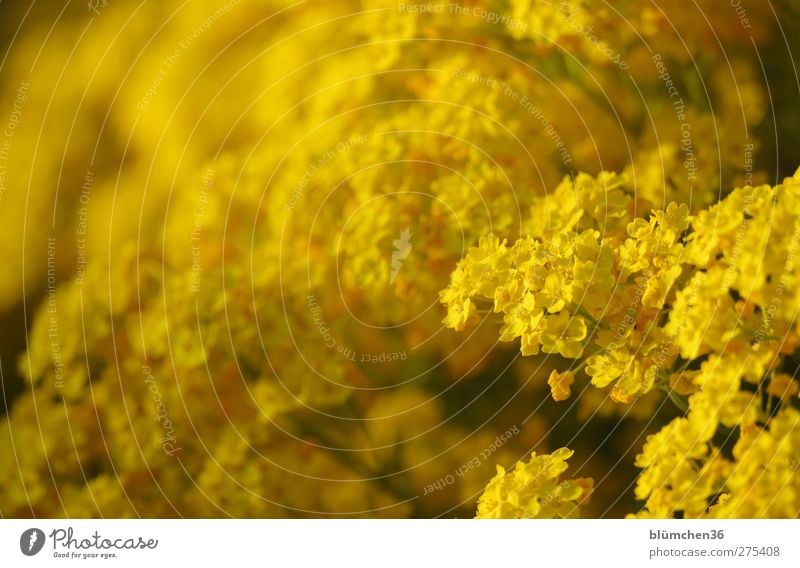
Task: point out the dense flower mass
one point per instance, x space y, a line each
590 280
534 490
684 303
376 258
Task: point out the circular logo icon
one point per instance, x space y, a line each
31 542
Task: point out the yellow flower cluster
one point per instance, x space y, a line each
738 315
534 490
253 207
589 281
703 306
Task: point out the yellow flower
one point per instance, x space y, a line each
534 490
272 327
459 313
782 386
637 379
605 368
671 481
764 480
560 384
564 333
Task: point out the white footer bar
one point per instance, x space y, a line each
407 544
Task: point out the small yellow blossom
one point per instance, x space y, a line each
534 490
560 384
782 386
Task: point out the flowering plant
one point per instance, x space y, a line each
382 258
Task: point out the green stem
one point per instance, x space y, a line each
580 310
677 400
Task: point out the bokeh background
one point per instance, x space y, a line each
225 226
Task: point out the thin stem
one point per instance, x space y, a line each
676 399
